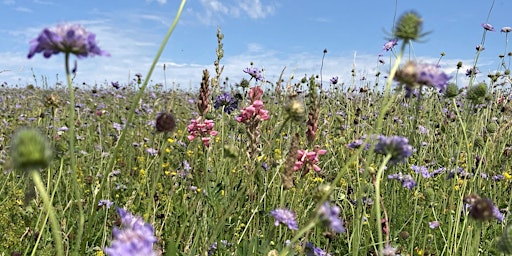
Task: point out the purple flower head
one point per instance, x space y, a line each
414 74
330 216
255 73
334 80
479 48
472 71
487 27
66 38
312 250
398 147
406 180
105 202
389 250
286 217
227 101
434 224
506 29
135 237
389 45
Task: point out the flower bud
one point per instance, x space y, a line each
477 93
30 150
165 122
295 110
408 27
451 91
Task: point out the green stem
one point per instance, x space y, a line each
135 101
49 208
378 215
76 186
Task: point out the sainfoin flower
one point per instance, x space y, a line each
330 216
286 217
255 110
396 146
135 237
227 101
202 129
414 74
309 159
66 38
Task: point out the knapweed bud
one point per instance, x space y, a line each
451 91
165 122
230 151
408 27
459 64
30 150
295 110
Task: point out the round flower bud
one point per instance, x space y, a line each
165 122
30 150
491 127
451 91
408 27
477 93
295 110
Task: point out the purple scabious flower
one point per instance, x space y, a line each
389 45
227 101
311 250
414 74
434 224
506 29
406 180
334 80
105 202
286 217
472 71
66 38
134 238
487 27
396 146
254 73
330 215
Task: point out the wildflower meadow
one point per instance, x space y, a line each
409 162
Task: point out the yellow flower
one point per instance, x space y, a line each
170 140
142 173
190 152
277 153
222 193
507 175
167 150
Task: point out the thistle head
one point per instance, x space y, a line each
408 27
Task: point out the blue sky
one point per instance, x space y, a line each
272 34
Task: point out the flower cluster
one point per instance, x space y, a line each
202 129
227 102
423 170
389 45
66 38
406 180
286 217
134 238
330 216
255 110
309 159
398 147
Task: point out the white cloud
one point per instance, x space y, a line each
23 9
159 1
255 9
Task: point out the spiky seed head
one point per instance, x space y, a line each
451 91
408 27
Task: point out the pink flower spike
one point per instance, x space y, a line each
321 151
255 93
316 168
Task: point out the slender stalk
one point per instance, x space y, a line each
378 200
38 182
76 187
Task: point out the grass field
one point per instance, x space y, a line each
306 166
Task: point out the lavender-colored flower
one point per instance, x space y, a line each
355 144
134 238
434 224
472 71
330 216
414 74
396 146
152 151
286 217
312 250
334 80
406 180
487 27
255 73
389 250
105 202
390 44
506 29
227 101
66 38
